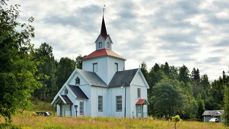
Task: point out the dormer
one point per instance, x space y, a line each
103 41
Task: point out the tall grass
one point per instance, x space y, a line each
28 121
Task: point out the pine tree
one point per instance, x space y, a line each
226 105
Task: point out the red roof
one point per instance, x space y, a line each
101 53
141 102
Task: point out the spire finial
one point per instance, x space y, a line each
103 31
104 6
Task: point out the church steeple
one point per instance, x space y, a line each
103 31
103 41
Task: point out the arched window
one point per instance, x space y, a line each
77 81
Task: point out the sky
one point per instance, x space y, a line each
190 32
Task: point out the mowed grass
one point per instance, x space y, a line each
28 121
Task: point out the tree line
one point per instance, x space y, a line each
177 90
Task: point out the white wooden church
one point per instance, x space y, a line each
103 87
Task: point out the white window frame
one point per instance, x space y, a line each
139 92
100 45
95 67
81 107
118 103
100 103
77 81
116 67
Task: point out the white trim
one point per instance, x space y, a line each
142 76
66 84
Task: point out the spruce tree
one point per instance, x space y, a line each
226 106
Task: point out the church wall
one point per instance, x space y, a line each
95 92
102 67
87 91
136 83
106 67
113 92
85 88
112 67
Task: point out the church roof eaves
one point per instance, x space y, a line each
103 53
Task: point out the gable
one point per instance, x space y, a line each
139 80
72 79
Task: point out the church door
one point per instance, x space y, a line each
139 111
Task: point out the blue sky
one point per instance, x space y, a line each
190 32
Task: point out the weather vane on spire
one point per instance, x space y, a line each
104 9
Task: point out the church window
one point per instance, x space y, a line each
95 67
77 81
116 66
118 103
66 91
100 103
81 108
100 44
108 45
139 92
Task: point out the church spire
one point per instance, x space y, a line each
103 41
103 31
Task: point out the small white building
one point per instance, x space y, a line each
103 87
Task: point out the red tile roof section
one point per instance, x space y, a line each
140 102
101 53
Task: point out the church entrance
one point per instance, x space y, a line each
65 110
139 111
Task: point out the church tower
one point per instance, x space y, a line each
103 61
103 41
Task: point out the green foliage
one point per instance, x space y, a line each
46 72
176 119
226 105
17 69
197 93
166 92
79 61
64 69
8 126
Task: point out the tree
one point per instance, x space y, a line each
226 105
183 74
64 69
47 69
196 75
17 69
79 61
166 92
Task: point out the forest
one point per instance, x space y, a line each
28 73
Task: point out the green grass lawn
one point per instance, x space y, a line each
28 121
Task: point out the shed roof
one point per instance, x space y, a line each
213 112
141 102
66 99
78 92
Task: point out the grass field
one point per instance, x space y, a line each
28 121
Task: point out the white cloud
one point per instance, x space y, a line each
194 33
